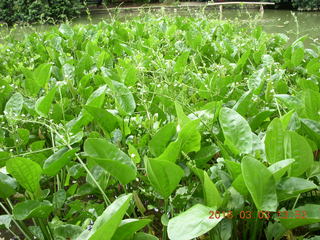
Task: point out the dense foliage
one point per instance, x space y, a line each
189 126
12 11
300 4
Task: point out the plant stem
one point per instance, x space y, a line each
43 228
17 224
164 231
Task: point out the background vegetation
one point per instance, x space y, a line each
12 11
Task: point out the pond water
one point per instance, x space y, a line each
294 24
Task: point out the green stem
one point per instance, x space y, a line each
106 199
17 224
164 231
43 228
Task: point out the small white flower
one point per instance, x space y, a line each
132 155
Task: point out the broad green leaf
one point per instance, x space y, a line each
182 118
234 168
58 160
163 175
291 187
96 99
160 140
8 186
312 128
298 148
66 30
43 104
280 168
32 209
181 62
41 75
211 194
243 103
240 185
205 154
22 136
189 140
260 183
236 130
274 141
67 231
307 214
256 81
14 106
190 137
133 153
258 119
59 197
4 156
312 104
192 223
242 61
297 56
128 227
26 172
106 224
106 120
111 158
124 98
144 236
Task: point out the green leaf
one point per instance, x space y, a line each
298 148
43 104
8 186
26 172
164 176
243 104
58 160
279 169
291 187
14 106
144 236
128 227
133 153
312 104
111 158
124 98
182 118
297 56
192 223
308 214
236 130
274 141
67 231
41 75
211 194
181 62
205 154
59 197
312 128
66 30
106 120
260 183
189 140
96 99
106 224
32 209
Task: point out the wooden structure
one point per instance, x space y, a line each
221 4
